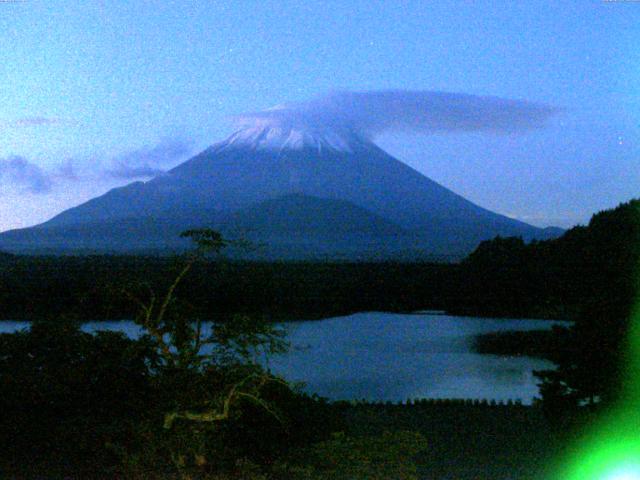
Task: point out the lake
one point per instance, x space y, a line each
389 356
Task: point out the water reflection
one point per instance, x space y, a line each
381 356
384 356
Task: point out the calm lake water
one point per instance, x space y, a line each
388 356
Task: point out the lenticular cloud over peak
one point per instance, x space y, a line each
306 181
422 111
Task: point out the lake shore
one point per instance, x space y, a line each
390 357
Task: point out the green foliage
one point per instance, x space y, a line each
189 399
589 275
605 257
592 267
65 393
205 377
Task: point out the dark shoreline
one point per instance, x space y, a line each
48 287
545 344
96 287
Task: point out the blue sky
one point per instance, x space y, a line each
93 92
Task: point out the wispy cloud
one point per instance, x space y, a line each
33 122
149 161
19 171
372 113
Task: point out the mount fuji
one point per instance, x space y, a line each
300 192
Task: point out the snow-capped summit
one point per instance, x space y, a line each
279 138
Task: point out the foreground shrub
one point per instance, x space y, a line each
64 394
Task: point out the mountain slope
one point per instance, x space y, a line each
228 180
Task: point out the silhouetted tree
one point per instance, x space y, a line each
65 394
205 373
604 258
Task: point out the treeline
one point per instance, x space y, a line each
560 278
102 287
589 275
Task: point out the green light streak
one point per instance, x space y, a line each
611 448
